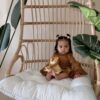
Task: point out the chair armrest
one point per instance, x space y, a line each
97 89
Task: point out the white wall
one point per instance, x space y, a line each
3 12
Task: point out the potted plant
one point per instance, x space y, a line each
88 45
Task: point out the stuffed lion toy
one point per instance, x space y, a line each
53 65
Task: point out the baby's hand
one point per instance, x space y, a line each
52 73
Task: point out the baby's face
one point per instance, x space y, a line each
63 47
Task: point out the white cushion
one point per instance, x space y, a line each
30 85
81 81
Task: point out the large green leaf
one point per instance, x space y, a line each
4 36
15 17
87 45
91 14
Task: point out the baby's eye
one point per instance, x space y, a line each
60 46
66 46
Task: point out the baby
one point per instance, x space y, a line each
69 67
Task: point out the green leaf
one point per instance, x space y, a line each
15 17
4 36
95 55
74 4
87 45
90 14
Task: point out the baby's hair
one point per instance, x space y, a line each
66 38
68 35
57 35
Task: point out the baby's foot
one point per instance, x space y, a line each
77 75
48 77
